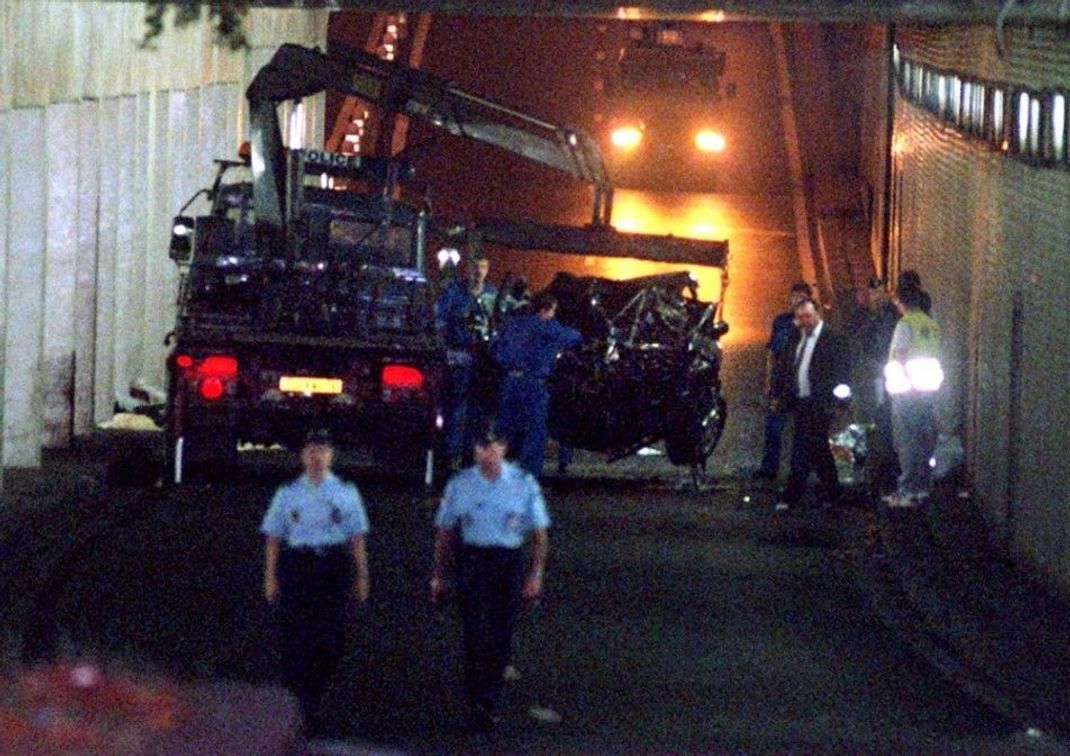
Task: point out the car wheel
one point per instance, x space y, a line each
696 429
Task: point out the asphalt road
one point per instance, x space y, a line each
675 621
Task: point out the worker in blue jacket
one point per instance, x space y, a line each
526 350
463 317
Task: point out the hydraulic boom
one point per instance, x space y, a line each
296 72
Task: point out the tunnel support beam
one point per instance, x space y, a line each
5 225
24 282
801 204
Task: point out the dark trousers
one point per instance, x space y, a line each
489 582
455 409
882 467
810 452
314 593
775 420
522 418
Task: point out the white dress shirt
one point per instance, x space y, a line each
803 352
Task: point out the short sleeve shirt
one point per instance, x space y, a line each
305 514
497 512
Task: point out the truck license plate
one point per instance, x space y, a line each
301 384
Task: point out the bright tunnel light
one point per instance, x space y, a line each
710 141
626 137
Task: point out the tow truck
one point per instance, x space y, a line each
662 109
302 304
304 300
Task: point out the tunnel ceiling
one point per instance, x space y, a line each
924 11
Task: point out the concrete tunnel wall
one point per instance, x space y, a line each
101 142
990 235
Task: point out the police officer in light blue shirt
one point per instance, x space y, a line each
315 559
491 508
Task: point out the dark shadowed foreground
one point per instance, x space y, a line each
674 621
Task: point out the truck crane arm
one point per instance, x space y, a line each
295 72
599 241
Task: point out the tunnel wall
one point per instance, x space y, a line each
990 235
872 64
101 142
840 93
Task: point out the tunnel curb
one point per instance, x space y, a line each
937 578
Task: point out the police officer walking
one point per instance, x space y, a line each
315 559
527 350
490 508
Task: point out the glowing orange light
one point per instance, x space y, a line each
710 141
696 216
626 137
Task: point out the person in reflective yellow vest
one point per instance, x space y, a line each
912 376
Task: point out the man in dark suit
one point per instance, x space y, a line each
810 380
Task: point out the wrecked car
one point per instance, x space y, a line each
648 370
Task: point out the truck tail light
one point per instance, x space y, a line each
212 387
210 374
401 382
218 366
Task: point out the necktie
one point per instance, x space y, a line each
801 351
798 363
